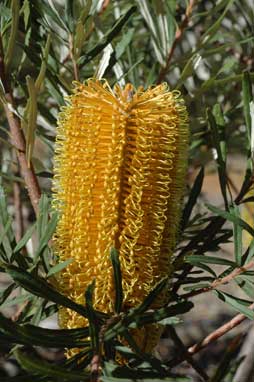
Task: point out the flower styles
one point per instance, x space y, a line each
119 177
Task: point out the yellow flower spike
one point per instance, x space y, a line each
120 165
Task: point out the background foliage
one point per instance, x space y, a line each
204 49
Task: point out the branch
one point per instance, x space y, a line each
95 368
18 139
237 320
178 37
217 283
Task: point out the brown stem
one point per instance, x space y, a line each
178 37
217 283
104 6
95 368
216 334
18 138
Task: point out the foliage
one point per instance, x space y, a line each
202 48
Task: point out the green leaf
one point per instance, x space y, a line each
6 293
23 378
218 144
220 122
15 8
206 268
47 235
210 32
247 98
108 37
24 239
170 321
31 118
237 230
246 284
156 291
134 320
195 192
124 42
59 267
39 287
197 286
41 367
26 12
202 259
41 76
238 304
8 238
36 336
48 9
92 318
114 257
161 314
17 300
250 252
229 216
43 215
145 373
5 12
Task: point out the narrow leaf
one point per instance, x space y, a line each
236 303
31 118
195 192
247 98
41 367
91 315
24 239
39 287
217 141
59 267
117 280
237 230
229 216
108 37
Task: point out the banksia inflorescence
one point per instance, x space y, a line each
119 177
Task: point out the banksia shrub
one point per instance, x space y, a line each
119 177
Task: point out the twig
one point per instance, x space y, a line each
178 37
95 368
104 6
216 334
18 139
216 283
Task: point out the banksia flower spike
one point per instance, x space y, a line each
119 177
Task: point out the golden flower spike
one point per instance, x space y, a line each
119 177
